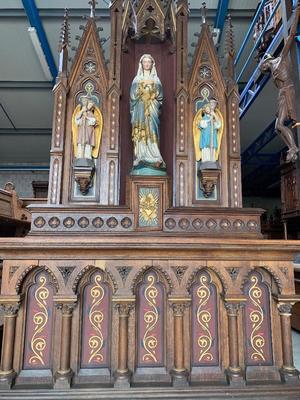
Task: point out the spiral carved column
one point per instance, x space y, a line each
288 370
179 372
7 373
64 374
122 374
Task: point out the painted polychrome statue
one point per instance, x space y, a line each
146 98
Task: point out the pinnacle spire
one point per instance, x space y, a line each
203 12
229 36
64 39
64 43
229 46
93 4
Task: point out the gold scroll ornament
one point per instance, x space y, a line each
203 318
256 317
96 318
151 319
40 319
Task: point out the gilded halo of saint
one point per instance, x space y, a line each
87 126
146 97
208 127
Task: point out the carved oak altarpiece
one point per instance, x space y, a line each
133 280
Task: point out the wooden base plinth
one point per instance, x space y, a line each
63 381
180 378
7 380
235 377
274 392
122 379
290 376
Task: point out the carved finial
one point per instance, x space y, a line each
64 43
229 47
229 36
64 40
93 4
203 12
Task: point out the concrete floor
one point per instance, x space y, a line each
296 347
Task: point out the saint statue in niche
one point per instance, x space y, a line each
87 124
146 97
208 130
282 76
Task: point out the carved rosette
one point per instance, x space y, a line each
150 321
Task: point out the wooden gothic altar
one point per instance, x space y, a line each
130 279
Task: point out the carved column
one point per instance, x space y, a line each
288 370
179 372
234 370
64 374
7 373
122 375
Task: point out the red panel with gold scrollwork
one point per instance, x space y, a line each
150 322
258 350
39 322
205 343
95 323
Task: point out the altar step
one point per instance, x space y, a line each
267 392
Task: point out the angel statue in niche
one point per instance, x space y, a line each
208 131
87 124
146 97
282 76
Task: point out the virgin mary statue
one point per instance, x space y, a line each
146 97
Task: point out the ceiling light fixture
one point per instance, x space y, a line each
39 52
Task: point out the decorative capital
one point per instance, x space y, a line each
124 308
285 309
232 309
178 309
10 309
66 308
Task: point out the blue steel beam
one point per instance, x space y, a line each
259 143
248 34
258 80
221 15
35 21
273 160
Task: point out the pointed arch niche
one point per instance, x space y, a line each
258 319
34 348
206 341
94 335
151 328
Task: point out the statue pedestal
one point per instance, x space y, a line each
209 179
84 170
149 198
